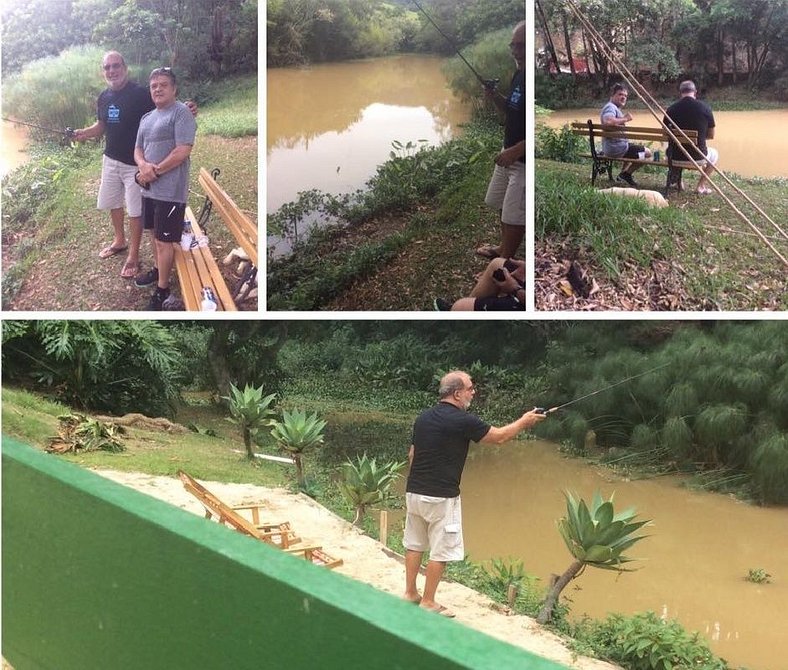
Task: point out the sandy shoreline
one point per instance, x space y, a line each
364 559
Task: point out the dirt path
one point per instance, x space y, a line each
364 559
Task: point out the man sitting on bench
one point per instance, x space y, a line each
688 113
612 115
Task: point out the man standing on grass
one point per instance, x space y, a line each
612 115
164 143
118 112
441 437
506 191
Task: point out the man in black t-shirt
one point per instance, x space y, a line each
439 447
506 191
118 112
688 113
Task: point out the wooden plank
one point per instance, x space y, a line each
384 526
242 228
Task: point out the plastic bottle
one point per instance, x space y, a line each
187 237
208 303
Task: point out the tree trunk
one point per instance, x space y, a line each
548 41
568 42
552 597
299 470
248 443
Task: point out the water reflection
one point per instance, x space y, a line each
13 140
329 126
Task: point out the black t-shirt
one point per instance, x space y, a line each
441 436
691 114
120 112
514 131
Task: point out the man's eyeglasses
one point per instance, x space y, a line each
112 66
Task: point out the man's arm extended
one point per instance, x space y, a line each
89 133
504 434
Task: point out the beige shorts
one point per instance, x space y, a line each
506 192
435 524
118 188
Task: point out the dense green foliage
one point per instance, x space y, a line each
303 31
364 483
203 38
716 43
646 642
250 410
112 366
297 433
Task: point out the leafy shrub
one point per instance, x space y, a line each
645 642
558 145
770 469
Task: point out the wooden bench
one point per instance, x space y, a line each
637 135
279 534
196 267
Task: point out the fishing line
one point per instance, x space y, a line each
487 83
541 410
68 132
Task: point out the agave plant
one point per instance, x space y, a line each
251 411
596 537
296 433
366 483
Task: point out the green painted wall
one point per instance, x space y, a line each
97 576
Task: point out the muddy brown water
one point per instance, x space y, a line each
13 140
330 125
751 144
692 566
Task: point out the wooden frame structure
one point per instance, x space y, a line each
279 534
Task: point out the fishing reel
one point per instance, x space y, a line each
490 84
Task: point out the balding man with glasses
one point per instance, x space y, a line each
119 109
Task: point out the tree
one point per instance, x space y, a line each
596 537
111 366
295 434
251 411
365 483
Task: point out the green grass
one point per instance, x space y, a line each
32 420
227 108
724 265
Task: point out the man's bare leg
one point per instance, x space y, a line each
511 238
434 574
412 565
117 216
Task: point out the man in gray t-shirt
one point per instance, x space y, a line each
611 115
164 143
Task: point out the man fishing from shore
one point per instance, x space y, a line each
506 191
439 448
119 109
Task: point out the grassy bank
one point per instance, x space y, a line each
409 237
695 255
52 231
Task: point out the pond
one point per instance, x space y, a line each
692 567
331 125
751 144
13 140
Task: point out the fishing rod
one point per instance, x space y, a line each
542 410
68 132
489 84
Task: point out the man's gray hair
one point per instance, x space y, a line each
687 87
450 383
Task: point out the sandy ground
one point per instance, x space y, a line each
364 559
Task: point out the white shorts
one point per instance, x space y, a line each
712 155
435 524
118 188
507 193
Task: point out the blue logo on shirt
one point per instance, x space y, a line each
113 114
515 98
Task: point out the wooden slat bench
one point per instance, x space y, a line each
637 135
196 268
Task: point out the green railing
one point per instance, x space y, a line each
97 576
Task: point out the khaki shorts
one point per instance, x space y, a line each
118 188
506 192
435 524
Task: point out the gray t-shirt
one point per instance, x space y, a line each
612 147
161 130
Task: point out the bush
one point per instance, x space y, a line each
645 642
770 470
558 145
